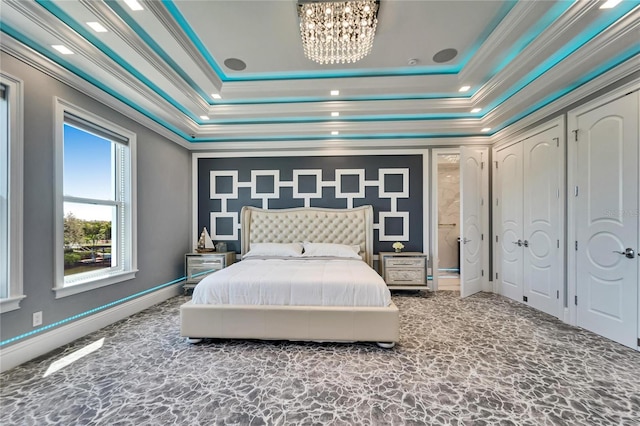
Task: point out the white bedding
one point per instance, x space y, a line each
299 282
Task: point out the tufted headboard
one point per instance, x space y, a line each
316 225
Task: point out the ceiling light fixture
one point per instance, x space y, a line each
486 129
335 92
335 132
335 114
476 110
134 5
464 88
62 49
610 4
97 27
204 117
337 32
216 96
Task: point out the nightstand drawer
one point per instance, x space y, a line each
205 262
405 276
417 262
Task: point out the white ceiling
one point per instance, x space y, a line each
166 61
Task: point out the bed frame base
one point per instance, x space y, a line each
325 323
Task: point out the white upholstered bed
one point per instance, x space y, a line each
295 321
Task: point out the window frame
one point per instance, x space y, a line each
103 277
15 176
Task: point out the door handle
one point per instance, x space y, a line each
525 243
518 243
465 241
629 253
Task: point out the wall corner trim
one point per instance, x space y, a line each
41 344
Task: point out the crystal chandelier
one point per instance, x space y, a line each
337 32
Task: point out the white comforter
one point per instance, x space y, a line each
299 282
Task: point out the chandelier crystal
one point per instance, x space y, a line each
337 32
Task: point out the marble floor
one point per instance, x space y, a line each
484 360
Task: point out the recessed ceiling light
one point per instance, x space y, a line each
335 132
62 49
216 96
97 27
486 129
134 5
610 4
204 117
335 92
335 114
464 88
476 110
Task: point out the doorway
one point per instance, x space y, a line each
446 216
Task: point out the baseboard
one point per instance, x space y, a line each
42 343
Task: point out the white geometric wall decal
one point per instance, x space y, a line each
382 235
215 233
278 184
213 174
307 196
383 193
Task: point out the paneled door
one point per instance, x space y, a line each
529 218
508 208
542 220
607 218
472 194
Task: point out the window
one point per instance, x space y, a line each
10 193
95 185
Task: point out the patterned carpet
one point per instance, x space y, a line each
484 360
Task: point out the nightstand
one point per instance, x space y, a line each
404 270
199 265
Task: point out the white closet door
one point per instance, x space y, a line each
542 260
607 219
471 219
510 202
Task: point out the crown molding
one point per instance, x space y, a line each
336 144
129 37
103 67
322 129
161 13
628 68
519 19
23 53
618 37
352 108
533 54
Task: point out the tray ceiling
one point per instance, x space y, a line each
171 61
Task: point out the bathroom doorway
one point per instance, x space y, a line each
446 217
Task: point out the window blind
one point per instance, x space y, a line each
97 130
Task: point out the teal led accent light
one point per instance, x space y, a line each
89 312
120 11
62 16
87 77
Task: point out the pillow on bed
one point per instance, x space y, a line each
331 250
275 249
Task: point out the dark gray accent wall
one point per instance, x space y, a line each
163 207
392 184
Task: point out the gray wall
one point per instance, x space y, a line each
164 205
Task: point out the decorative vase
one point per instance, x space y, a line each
398 250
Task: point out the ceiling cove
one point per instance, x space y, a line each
167 62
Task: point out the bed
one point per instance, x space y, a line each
241 316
